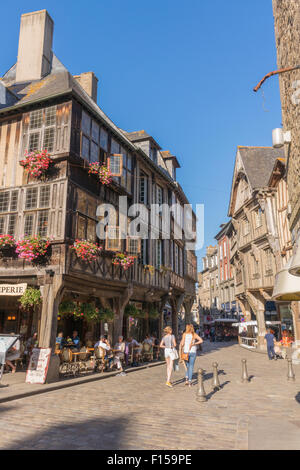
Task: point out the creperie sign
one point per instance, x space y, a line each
12 289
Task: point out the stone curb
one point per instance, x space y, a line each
71 383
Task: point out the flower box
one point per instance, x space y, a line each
101 171
123 260
85 250
36 163
32 248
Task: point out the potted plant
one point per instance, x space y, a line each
131 311
85 250
66 308
101 171
31 298
7 245
88 312
37 163
123 260
32 248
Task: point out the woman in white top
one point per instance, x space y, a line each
188 351
168 343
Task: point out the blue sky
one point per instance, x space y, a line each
183 71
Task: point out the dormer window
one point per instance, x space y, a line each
153 154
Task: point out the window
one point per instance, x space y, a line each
144 251
143 186
44 196
133 246
42 130
158 253
95 132
90 149
31 198
103 139
28 224
246 226
86 123
113 241
8 203
115 147
269 263
42 228
115 164
153 154
176 258
4 201
159 195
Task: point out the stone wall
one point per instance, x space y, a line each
287 33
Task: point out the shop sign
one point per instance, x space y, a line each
12 289
38 366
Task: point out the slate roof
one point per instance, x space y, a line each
259 163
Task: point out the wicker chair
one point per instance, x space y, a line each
66 360
147 352
100 361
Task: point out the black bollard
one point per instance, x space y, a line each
245 377
200 395
291 375
215 381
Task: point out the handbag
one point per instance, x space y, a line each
184 356
174 354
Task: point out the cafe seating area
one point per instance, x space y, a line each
86 360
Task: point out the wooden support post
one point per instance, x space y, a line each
119 306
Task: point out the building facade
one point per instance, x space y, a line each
42 106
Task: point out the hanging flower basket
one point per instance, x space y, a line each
101 171
106 314
87 312
123 260
66 308
30 299
85 250
32 248
36 163
165 270
133 312
153 313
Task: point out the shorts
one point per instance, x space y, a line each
168 352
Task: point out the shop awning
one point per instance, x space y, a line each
287 286
294 269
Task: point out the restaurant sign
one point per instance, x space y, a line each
12 289
38 366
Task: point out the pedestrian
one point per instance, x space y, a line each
188 350
12 354
270 340
168 343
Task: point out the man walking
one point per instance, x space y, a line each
270 340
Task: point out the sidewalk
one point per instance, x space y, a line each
14 387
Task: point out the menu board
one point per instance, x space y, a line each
38 366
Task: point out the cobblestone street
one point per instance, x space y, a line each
139 412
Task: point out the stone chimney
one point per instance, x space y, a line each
35 46
89 83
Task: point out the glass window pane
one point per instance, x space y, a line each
86 123
44 196
34 142
103 139
28 224
12 224
115 147
91 231
129 182
31 198
14 201
95 132
129 162
85 148
36 119
123 178
115 164
42 228
4 201
49 139
94 152
50 116
2 225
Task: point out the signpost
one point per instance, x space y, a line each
38 366
6 342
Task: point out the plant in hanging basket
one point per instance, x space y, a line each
153 313
85 250
123 260
165 269
131 311
31 298
106 314
66 308
87 312
32 248
36 163
101 171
